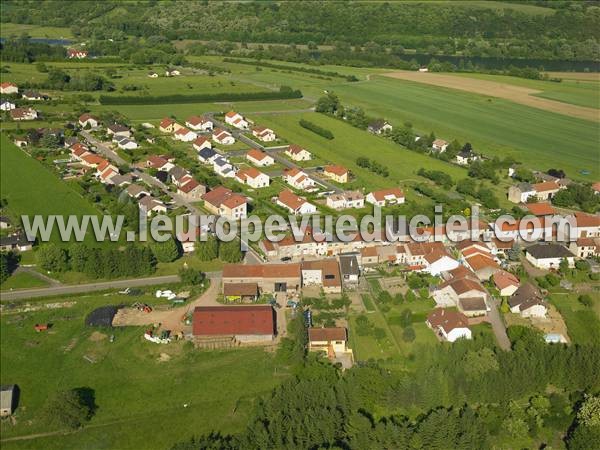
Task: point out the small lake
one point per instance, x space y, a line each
46 41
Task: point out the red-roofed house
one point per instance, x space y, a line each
506 283
259 158
298 153
201 142
191 190
294 204
237 120
546 190
336 173
76 53
226 203
168 125
393 196
184 135
222 137
253 177
159 163
269 277
88 120
91 160
264 134
8 88
540 209
198 123
244 323
23 114
298 179
596 187
449 325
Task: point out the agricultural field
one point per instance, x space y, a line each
128 380
35 31
30 189
540 139
575 92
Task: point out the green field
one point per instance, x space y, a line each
576 92
31 189
22 280
35 31
540 139
350 143
137 395
583 323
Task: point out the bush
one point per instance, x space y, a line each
191 276
585 300
316 129
408 335
69 409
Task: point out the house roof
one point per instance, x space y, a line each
526 296
463 285
183 131
540 209
385 193
440 142
336 170
256 154
542 251
447 319
330 271
472 304
233 320
240 289
92 159
349 265
149 202
156 161
234 200
378 124
231 114
546 186
166 122
327 334
219 133
479 262
261 271
200 140
207 153
224 196
7 84
196 120
21 112
189 186
587 220
86 116
135 189
116 128
503 279
249 172
291 200
596 186
295 149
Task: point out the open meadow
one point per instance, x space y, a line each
138 387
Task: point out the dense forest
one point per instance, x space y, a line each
571 31
468 395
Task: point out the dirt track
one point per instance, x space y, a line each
515 94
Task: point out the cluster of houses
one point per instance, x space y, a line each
19 113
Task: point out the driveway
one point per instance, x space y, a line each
498 325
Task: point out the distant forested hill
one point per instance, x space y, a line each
516 30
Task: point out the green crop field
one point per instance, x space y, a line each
137 394
540 139
576 92
31 189
35 31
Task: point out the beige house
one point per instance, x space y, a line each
338 174
226 203
297 153
270 278
333 342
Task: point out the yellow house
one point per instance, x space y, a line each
336 173
332 341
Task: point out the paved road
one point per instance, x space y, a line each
498 325
91 287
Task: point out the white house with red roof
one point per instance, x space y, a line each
253 178
184 135
222 137
298 179
105 172
159 163
449 325
78 150
264 134
259 158
88 120
506 283
201 143
8 88
391 196
236 120
198 123
23 114
225 202
439 145
297 153
295 204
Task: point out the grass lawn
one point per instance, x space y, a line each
583 323
538 138
350 143
30 189
139 398
22 280
368 347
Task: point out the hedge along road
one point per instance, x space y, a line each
91 287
